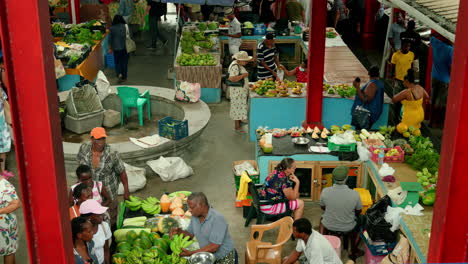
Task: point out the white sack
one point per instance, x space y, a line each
171 168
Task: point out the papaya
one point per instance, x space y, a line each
124 246
402 128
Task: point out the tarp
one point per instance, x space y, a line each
202 2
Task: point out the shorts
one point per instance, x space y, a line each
279 208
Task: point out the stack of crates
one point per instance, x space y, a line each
237 177
366 199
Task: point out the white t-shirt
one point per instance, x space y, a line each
103 234
318 250
235 28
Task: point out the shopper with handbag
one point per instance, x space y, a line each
238 85
368 103
5 118
117 44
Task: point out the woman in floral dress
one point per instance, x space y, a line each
8 224
240 92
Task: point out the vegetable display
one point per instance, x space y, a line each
196 60
424 155
343 90
57 29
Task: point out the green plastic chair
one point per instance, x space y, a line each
131 98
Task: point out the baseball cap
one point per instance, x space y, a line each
270 35
98 132
92 207
340 173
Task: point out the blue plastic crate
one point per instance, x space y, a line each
259 29
173 129
110 63
381 249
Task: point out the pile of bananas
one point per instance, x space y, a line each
150 205
179 242
134 203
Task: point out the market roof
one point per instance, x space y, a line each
441 15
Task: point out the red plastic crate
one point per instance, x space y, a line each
399 158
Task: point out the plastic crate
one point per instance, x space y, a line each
254 177
366 199
378 248
343 148
173 129
259 29
110 62
399 158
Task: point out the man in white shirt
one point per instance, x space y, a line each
312 247
234 32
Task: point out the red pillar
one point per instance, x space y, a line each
74 11
27 46
368 28
449 243
316 65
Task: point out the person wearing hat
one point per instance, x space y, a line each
238 86
342 206
267 58
234 33
94 212
106 166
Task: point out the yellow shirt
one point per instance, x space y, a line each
403 63
243 186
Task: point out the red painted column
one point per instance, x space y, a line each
316 65
74 11
368 28
27 46
449 243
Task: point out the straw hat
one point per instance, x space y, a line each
242 56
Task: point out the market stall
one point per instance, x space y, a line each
317 153
81 49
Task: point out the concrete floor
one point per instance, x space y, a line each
212 160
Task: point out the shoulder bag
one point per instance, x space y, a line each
238 83
129 43
361 117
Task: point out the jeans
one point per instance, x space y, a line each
154 30
121 63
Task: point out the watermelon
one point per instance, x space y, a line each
124 246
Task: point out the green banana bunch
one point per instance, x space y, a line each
179 242
134 203
151 206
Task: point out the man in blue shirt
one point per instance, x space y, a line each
211 230
442 54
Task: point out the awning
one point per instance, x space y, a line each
441 15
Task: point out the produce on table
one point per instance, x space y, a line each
426 178
165 203
326 86
272 88
248 24
128 234
176 203
370 135
343 90
57 29
182 194
202 26
97 35
407 131
151 206
166 224
79 35
428 197
331 34
178 212
212 25
424 155
135 221
196 60
134 203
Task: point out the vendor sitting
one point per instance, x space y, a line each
300 72
342 206
211 230
282 184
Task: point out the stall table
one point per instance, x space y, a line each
416 228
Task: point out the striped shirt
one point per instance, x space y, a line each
267 55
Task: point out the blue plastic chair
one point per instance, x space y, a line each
131 98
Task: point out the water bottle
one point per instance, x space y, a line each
380 160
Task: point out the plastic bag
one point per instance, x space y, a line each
393 217
386 170
102 86
170 169
376 225
187 92
136 179
364 153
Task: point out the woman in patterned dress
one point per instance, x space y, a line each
239 94
5 138
8 224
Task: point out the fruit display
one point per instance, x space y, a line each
212 25
370 135
190 40
272 88
326 86
202 26
150 248
343 90
408 131
166 224
58 29
386 131
426 178
139 221
196 60
428 197
248 24
150 205
331 34
277 132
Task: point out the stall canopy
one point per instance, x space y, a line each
202 2
441 15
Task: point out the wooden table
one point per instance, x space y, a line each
416 228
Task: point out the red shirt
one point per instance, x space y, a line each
301 76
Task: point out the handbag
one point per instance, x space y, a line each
361 118
235 84
129 43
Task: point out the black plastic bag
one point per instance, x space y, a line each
376 225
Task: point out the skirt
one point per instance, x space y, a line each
239 106
5 137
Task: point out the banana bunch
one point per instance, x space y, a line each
179 242
134 203
151 206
